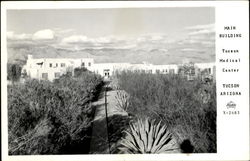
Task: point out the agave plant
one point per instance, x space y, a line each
148 137
122 99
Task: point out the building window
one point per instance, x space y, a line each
56 65
45 76
40 64
89 64
63 64
83 64
50 65
166 70
57 74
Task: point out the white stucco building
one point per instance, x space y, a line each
52 68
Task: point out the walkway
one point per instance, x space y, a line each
100 141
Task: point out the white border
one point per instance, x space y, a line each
229 128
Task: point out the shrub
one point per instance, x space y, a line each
187 107
49 118
80 71
13 72
122 99
114 84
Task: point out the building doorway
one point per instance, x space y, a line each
106 73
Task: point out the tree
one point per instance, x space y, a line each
187 69
79 71
13 72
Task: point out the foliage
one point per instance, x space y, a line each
116 126
49 117
114 84
148 137
79 71
122 99
187 68
13 72
187 107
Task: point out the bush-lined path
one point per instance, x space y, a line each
100 140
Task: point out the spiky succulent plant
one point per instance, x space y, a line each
148 137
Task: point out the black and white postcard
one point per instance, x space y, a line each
166 80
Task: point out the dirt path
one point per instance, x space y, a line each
100 139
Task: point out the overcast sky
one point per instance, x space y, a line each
173 31
105 22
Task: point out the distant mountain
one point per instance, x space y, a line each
174 53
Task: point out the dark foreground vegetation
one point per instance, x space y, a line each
166 113
52 117
187 108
